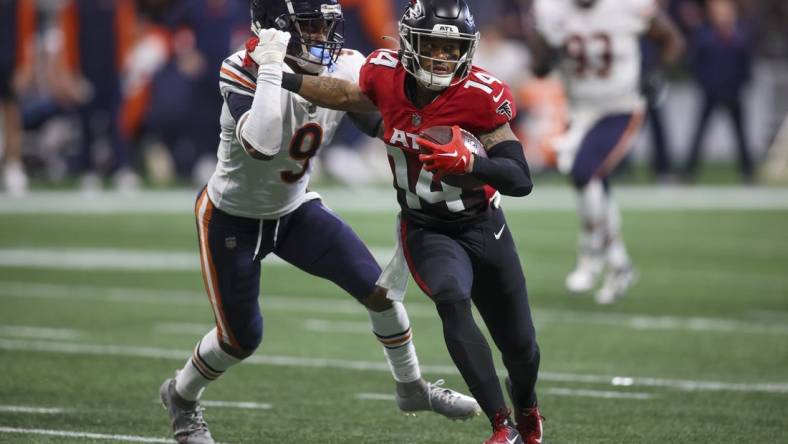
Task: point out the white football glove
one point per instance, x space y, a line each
271 48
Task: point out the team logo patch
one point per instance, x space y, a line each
505 109
416 120
230 242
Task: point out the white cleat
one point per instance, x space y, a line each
443 401
15 179
617 282
188 424
584 277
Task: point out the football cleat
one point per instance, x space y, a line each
436 398
15 179
529 420
188 424
504 431
583 278
617 282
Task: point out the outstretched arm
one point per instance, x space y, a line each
329 92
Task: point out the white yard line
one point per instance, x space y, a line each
124 259
557 391
88 435
30 409
33 332
237 405
303 362
382 200
605 394
90 259
545 317
326 326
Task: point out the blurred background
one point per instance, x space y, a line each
124 94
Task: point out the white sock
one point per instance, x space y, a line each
392 329
592 210
616 252
208 362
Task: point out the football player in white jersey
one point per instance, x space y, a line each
257 202
596 45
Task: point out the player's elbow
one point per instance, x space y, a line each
519 189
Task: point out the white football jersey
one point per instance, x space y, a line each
601 49
269 189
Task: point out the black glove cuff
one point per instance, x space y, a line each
292 82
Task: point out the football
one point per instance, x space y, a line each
442 135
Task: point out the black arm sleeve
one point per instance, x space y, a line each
292 82
505 170
367 123
238 104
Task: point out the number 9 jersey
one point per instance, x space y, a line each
479 104
268 189
601 48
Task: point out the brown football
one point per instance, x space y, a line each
442 135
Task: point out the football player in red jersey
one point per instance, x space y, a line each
455 239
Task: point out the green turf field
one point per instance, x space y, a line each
97 308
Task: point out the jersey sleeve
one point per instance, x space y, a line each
377 61
489 101
351 62
235 78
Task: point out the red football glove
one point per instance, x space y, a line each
250 45
451 158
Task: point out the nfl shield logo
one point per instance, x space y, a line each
416 120
230 242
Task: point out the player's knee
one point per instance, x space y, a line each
377 301
580 178
249 340
521 348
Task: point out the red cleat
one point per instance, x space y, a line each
529 420
504 431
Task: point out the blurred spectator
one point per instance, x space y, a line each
653 85
722 64
97 35
184 98
17 31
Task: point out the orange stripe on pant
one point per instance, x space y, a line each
622 147
203 210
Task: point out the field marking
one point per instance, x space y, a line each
33 332
30 409
89 435
604 394
237 405
303 362
382 200
90 259
326 326
350 307
86 259
557 391
375 396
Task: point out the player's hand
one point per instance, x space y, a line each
269 46
451 158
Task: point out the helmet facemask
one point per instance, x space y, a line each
419 47
315 28
317 38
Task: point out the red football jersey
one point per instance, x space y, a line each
479 104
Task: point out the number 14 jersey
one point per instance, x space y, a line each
479 104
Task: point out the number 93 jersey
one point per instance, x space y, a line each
478 104
601 48
268 189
